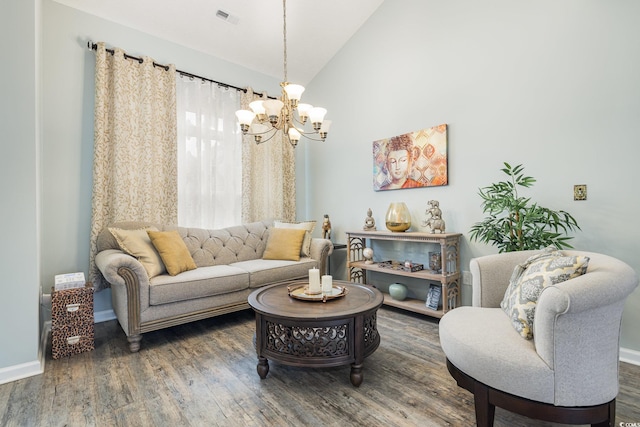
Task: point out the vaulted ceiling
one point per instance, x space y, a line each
252 34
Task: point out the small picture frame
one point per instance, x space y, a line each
435 262
433 297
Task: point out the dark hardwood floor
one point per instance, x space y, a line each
204 374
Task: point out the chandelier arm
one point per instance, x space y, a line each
261 133
304 131
265 140
298 121
306 135
260 140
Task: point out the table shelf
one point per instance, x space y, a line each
448 244
413 305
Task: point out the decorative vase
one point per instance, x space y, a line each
398 217
398 291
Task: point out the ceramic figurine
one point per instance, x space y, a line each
326 227
434 221
369 222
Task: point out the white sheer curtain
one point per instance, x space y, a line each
209 155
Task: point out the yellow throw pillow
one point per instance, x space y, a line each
309 226
173 251
137 244
284 244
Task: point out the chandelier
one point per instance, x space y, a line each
287 114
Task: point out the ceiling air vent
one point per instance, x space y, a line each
227 17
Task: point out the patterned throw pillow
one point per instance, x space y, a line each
530 278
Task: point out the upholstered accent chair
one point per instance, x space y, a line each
568 371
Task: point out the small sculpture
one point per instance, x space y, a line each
369 222
326 227
367 253
434 221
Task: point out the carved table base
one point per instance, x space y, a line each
313 334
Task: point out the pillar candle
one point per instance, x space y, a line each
327 283
314 281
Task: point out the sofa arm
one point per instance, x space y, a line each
111 260
491 274
320 251
129 287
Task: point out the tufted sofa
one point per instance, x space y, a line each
229 267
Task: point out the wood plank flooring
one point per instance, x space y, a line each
204 374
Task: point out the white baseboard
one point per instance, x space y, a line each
104 316
29 369
630 356
18 372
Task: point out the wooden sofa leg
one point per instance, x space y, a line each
485 411
134 342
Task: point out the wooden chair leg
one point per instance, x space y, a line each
485 411
611 416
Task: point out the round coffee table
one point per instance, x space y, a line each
314 333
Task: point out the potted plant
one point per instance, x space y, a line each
514 223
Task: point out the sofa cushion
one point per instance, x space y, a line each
309 226
198 283
172 250
284 244
530 279
482 343
138 244
263 272
227 245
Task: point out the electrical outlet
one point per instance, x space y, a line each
580 192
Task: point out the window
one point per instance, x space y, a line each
209 155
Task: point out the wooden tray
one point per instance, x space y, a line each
397 265
299 292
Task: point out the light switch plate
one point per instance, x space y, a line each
580 192
466 277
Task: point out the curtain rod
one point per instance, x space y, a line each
94 46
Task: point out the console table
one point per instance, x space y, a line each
448 244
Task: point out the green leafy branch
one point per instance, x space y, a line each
514 223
